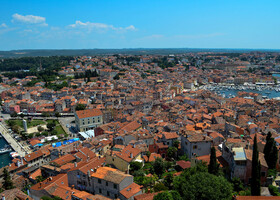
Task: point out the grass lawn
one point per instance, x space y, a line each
58 127
52 120
59 130
30 124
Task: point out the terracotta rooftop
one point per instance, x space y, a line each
130 190
110 174
88 113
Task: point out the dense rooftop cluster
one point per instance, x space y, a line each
152 110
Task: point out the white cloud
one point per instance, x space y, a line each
29 19
3 25
99 26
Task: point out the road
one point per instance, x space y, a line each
12 142
66 122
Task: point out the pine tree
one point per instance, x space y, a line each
268 145
213 166
8 184
270 152
273 156
256 171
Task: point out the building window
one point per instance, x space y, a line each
108 194
194 146
115 186
99 181
100 191
106 183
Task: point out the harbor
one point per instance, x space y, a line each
231 90
8 145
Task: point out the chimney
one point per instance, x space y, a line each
95 169
3 197
88 173
75 164
40 184
72 187
149 191
131 155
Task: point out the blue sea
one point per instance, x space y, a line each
5 158
268 93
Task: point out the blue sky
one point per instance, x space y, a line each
69 24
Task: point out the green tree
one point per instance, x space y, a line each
16 129
50 198
57 114
148 154
168 180
80 106
256 171
237 184
8 183
163 196
272 157
40 128
39 179
213 167
268 145
273 190
184 157
176 144
270 151
135 166
158 166
51 126
175 195
172 153
206 186
160 187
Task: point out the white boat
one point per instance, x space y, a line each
5 150
14 154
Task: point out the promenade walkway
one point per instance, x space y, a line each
12 142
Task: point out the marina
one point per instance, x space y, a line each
5 158
230 91
9 147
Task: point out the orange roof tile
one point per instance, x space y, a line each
88 113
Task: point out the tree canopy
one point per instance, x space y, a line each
8 183
206 186
256 171
80 107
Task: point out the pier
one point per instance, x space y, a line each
12 142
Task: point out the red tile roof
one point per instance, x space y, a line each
130 190
184 164
88 113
